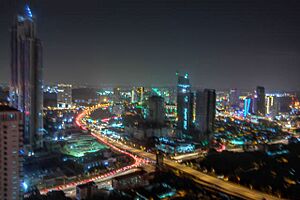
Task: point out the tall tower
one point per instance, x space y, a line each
260 101
156 110
185 102
205 110
11 146
234 97
26 92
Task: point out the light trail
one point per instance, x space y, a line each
199 177
137 161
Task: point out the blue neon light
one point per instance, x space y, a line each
237 142
245 107
25 186
183 85
247 103
186 99
28 11
185 119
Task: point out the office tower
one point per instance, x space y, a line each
137 95
233 98
26 92
260 101
64 96
284 104
185 100
269 104
156 110
205 110
133 96
140 92
272 105
117 95
247 106
11 144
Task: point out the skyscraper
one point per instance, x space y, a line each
185 102
260 101
156 110
26 92
117 95
64 96
234 97
137 95
247 106
11 145
205 110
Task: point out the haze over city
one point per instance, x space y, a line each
223 44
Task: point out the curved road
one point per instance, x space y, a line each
137 162
199 177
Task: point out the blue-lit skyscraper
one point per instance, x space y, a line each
247 106
260 101
185 102
26 76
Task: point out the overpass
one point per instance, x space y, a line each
199 177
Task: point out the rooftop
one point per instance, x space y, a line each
5 108
86 185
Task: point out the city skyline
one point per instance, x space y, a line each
211 40
93 110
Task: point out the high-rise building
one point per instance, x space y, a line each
185 101
26 93
234 98
205 110
260 101
137 95
156 109
64 96
117 95
269 104
247 106
11 146
140 92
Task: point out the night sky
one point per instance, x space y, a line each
220 43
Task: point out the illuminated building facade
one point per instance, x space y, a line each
137 95
247 106
272 105
26 87
171 111
234 98
185 101
64 96
140 92
11 146
260 101
205 110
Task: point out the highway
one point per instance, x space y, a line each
199 177
69 187
71 191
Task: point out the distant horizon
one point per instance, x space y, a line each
239 43
99 86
